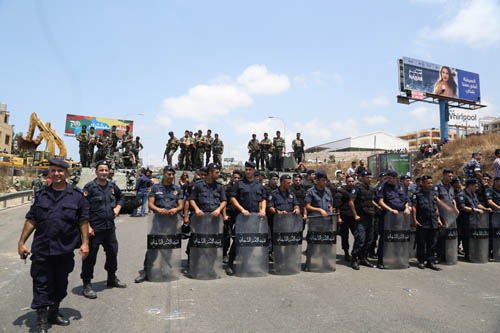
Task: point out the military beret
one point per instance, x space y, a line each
309 172
101 162
392 173
470 181
57 161
212 166
169 168
273 174
238 172
249 164
365 173
321 174
285 176
203 169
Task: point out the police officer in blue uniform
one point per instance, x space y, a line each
446 198
59 217
229 215
247 196
427 220
394 200
165 198
282 200
341 197
362 205
379 214
319 199
105 201
493 200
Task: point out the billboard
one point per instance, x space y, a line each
74 124
464 118
423 76
401 163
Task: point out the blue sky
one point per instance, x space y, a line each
327 68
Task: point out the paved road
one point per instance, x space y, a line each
461 298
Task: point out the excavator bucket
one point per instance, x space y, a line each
23 143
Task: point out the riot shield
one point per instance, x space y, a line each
479 237
396 240
495 235
205 254
412 246
321 244
252 246
164 248
449 216
287 243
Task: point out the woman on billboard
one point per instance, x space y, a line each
446 85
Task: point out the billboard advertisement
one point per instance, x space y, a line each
397 162
464 118
74 124
423 76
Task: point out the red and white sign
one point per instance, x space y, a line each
417 94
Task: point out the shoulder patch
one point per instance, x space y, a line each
291 196
85 193
353 191
175 192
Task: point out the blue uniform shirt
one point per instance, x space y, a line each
142 184
426 205
493 194
394 196
57 217
207 196
319 199
102 200
445 192
465 199
166 196
249 194
283 200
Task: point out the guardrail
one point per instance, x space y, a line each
15 195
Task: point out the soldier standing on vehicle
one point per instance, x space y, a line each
208 147
298 149
92 143
265 149
217 149
254 150
137 147
83 139
171 148
278 147
185 156
114 138
200 149
127 158
127 138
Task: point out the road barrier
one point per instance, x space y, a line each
15 195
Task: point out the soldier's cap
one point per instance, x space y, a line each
309 172
365 173
497 151
273 174
496 178
101 162
170 133
392 173
403 177
249 164
284 177
487 175
203 169
58 162
297 175
213 166
168 168
471 181
137 138
321 174
238 172
254 134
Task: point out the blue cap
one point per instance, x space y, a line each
101 162
321 174
169 168
392 173
203 169
365 173
249 164
57 161
284 177
212 166
403 177
238 172
471 181
258 174
273 174
309 172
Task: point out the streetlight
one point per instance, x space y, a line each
284 128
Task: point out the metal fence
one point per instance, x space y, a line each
24 195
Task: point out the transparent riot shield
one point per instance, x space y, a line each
412 245
479 237
287 243
205 254
321 244
164 248
396 240
252 246
449 216
495 235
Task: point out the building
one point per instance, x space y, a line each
428 136
493 126
6 130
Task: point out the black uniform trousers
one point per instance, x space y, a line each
50 278
227 231
347 224
426 244
363 236
106 238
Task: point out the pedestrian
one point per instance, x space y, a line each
217 149
298 149
278 147
265 149
352 170
59 217
472 168
105 201
83 140
496 164
254 150
141 189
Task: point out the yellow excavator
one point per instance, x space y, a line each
40 157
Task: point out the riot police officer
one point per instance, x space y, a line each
362 204
105 201
229 215
446 198
493 199
319 199
300 193
426 219
59 217
379 214
341 198
165 198
282 200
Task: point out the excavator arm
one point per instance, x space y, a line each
46 133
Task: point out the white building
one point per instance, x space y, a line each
376 141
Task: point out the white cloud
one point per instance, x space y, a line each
318 78
375 120
375 101
426 117
476 24
258 81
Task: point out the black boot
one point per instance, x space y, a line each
355 264
88 291
347 257
141 278
364 261
113 281
42 323
55 317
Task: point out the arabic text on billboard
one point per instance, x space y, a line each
440 80
74 124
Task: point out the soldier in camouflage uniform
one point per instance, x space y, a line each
114 137
298 149
40 181
192 149
83 139
265 149
254 150
127 138
171 148
217 149
92 142
137 147
185 156
104 144
208 146
278 147
200 149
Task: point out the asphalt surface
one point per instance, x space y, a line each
460 298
